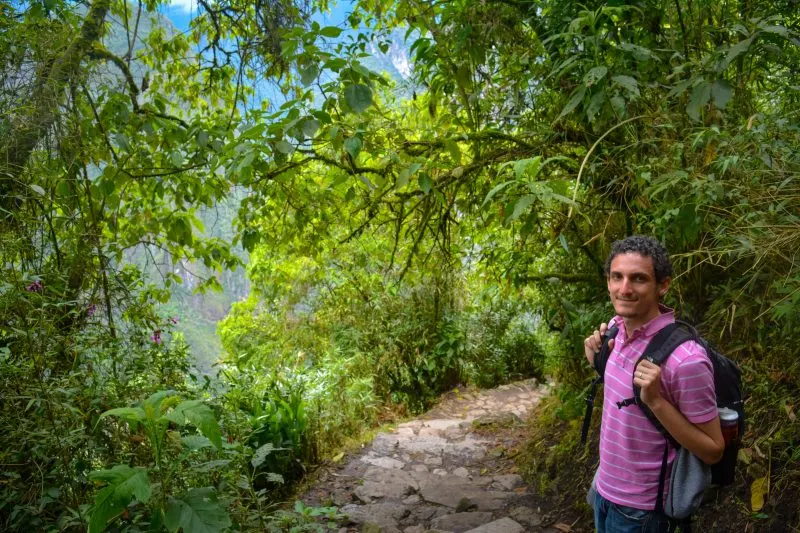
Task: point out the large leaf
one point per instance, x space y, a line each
521 206
425 183
196 511
594 75
722 92
124 483
200 415
496 189
154 401
358 97
308 74
735 51
628 83
405 174
352 145
131 414
261 454
330 31
758 491
527 167
576 99
699 98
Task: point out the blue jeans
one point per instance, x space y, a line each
611 517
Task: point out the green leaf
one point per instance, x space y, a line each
619 106
721 91
527 168
594 75
596 103
254 132
521 206
131 414
37 189
200 415
406 173
777 30
250 238
310 127
628 83
640 53
699 98
196 442
352 145
680 87
154 401
124 483
261 454
284 147
309 74
358 97
735 51
196 511
202 139
425 183
496 189
454 150
121 140
330 31
577 97
563 241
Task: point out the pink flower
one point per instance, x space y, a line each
156 337
36 286
173 320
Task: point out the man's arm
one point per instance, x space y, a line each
703 439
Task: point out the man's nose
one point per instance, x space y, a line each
625 285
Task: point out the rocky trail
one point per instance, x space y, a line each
450 470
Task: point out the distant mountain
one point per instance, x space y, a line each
395 61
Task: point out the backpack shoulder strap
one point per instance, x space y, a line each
658 350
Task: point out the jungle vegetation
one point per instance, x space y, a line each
398 243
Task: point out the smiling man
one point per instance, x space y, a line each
680 393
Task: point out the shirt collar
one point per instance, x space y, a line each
649 329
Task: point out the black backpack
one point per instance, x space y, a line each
727 385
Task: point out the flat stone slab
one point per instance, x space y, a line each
384 462
382 514
460 522
504 525
526 516
509 481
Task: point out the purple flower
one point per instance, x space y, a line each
173 320
36 286
92 309
156 337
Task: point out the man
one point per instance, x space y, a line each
680 393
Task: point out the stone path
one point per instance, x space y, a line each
447 471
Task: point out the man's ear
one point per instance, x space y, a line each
663 287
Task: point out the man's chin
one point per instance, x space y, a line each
625 312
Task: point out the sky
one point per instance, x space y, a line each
180 12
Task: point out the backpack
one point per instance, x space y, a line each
690 476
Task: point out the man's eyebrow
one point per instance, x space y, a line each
637 273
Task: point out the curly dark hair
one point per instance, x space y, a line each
646 246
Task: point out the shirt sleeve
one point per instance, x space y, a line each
692 384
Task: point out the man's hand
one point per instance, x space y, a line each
648 376
592 343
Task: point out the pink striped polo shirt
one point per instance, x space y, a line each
631 448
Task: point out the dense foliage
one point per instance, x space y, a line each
400 242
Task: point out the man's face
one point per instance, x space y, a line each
633 288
